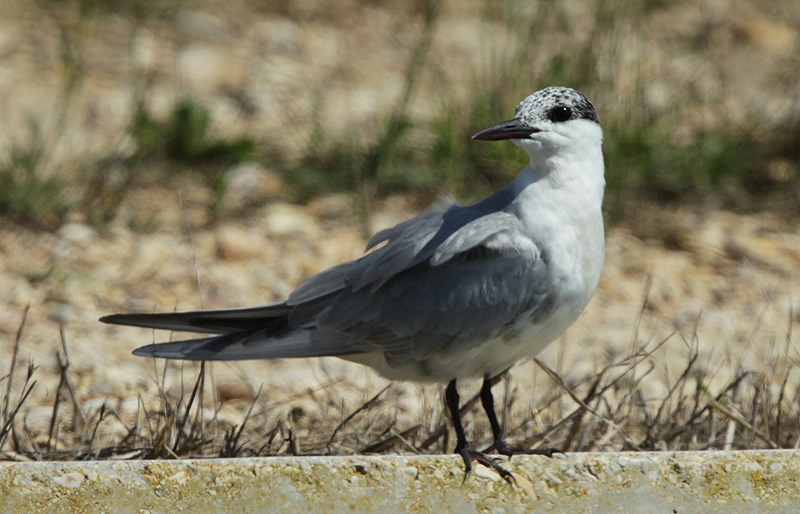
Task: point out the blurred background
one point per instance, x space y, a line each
159 155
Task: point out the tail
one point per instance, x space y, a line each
222 321
261 332
252 345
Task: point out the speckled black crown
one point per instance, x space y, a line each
537 106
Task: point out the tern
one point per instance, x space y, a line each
457 292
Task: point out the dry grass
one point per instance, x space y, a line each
611 410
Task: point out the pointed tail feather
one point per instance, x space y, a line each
253 345
222 321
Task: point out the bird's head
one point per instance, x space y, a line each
550 122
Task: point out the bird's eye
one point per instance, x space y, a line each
560 113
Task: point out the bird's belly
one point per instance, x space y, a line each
520 342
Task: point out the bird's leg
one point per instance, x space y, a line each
462 448
499 443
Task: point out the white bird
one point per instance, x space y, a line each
456 292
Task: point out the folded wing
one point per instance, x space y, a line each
453 275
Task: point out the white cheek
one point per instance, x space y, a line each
528 145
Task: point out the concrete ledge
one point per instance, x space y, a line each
670 482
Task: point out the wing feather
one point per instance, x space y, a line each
221 321
257 344
453 275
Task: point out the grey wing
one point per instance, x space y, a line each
406 242
472 286
254 344
453 275
283 329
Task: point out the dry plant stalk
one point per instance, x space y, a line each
608 410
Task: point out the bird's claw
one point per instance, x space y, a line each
470 455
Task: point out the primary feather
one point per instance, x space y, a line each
406 299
